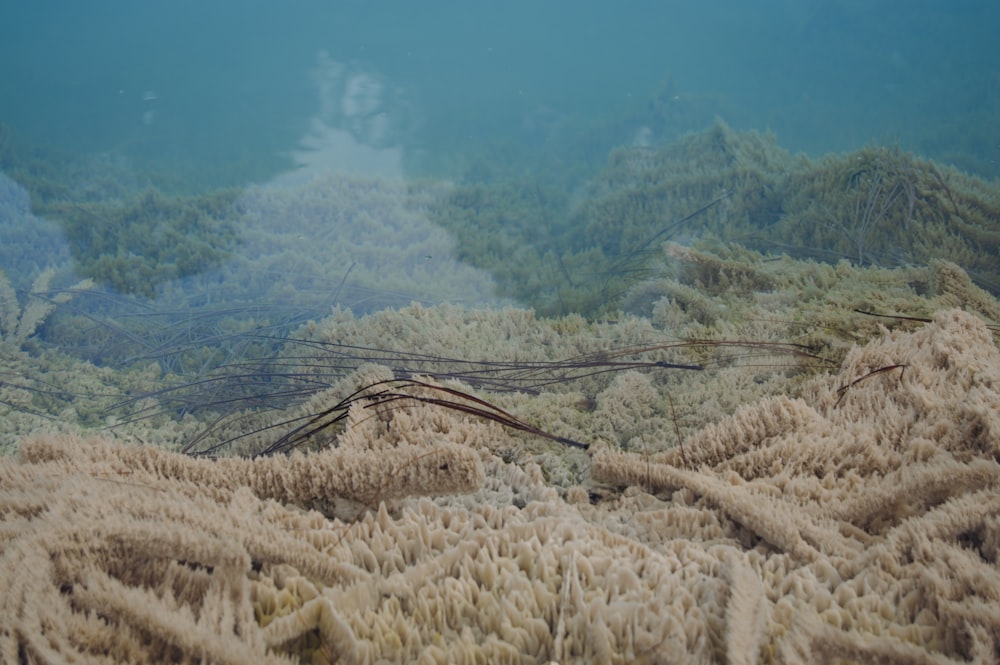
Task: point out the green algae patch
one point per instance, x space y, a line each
883 206
563 252
134 247
877 206
121 235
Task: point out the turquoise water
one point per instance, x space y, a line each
370 154
228 85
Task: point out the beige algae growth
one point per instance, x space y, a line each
855 522
790 440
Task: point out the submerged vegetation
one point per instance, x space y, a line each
151 239
874 206
123 233
719 251
20 317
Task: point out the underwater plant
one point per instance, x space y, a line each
19 321
137 245
878 205
884 192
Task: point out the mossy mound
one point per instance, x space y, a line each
875 206
123 236
883 206
151 239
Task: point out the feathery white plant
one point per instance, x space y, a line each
18 323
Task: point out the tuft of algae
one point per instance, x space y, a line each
135 246
121 235
877 206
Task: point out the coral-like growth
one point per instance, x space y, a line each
858 524
878 490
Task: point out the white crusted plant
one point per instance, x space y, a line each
18 323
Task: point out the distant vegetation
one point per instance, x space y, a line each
874 206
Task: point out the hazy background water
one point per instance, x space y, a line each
229 88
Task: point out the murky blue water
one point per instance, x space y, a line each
108 99
227 81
